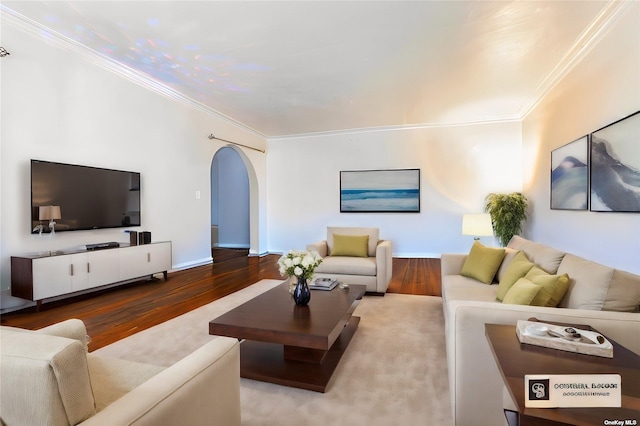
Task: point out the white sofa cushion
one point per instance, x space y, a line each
588 283
599 287
624 292
112 378
347 266
463 288
545 257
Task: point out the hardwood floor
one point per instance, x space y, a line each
416 276
115 313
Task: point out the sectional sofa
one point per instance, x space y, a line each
600 296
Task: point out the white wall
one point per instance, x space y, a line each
57 106
459 167
602 89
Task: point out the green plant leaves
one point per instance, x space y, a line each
507 211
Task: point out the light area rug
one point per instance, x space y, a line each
394 371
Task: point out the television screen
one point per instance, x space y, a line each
80 197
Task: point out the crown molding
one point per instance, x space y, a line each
382 129
45 33
587 40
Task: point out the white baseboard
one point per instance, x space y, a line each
230 246
9 303
192 264
417 255
264 253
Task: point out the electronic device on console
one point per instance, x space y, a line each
102 246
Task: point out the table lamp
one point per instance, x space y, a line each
50 213
478 225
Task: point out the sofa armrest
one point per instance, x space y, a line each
71 329
201 389
451 263
384 265
320 246
45 379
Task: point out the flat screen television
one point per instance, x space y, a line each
80 197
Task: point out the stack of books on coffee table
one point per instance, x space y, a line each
323 284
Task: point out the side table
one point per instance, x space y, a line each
515 359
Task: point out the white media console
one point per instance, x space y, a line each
41 276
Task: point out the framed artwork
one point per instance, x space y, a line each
380 191
615 166
570 176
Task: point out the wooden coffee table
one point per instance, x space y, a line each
290 345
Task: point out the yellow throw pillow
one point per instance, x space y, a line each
517 269
522 292
350 245
482 263
553 288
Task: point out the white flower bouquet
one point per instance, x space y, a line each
299 263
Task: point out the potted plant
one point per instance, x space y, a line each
507 211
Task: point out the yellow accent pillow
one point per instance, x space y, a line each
553 289
482 263
350 245
522 292
517 269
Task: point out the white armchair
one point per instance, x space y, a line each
355 256
48 377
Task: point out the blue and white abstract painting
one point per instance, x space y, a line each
380 191
570 176
615 166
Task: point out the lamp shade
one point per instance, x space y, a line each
49 212
478 225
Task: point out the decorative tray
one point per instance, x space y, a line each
564 338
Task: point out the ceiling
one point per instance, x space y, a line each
297 67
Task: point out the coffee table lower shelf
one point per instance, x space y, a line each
266 362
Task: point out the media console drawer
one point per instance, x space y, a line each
40 277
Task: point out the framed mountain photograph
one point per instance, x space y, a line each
615 166
570 176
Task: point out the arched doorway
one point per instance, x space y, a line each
230 200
